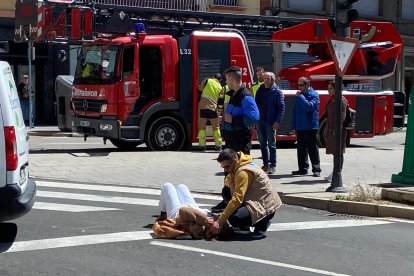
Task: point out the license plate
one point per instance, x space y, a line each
85 123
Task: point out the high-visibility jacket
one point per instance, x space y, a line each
255 87
210 93
223 99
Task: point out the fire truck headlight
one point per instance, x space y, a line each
103 108
105 127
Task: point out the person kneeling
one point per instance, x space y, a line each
254 200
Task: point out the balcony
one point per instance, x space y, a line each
192 5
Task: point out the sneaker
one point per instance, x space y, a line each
260 234
242 229
272 170
265 168
316 174
329 177
300 172
219 207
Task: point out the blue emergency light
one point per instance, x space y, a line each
139 28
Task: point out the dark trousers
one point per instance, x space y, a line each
244 147
241 218
307 144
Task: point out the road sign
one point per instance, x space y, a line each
342 50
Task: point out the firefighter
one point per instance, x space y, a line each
210 91
259 74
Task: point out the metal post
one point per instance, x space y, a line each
336 184
29 57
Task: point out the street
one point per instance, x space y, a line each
105 230
96 204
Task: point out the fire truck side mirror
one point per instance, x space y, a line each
62 55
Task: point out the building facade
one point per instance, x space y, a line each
272 56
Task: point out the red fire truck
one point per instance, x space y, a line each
135 87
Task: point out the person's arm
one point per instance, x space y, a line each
242 181
250 113
311 103
280 106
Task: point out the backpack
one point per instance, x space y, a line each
349 122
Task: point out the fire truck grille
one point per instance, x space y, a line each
88 105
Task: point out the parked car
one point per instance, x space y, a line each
17 190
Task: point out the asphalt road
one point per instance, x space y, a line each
80 229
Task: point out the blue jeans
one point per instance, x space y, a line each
267 142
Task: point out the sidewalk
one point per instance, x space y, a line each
364 164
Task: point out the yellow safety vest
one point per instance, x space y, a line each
255 87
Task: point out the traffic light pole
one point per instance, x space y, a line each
336 184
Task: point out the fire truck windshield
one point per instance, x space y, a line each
96 64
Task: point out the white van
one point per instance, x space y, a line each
17 191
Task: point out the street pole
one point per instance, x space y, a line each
406 176
336 184
29 57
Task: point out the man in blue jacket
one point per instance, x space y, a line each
305 122
240 115
271 103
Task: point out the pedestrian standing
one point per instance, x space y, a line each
240 115
259 82
210 91
305 123
271 103
23 91
329 133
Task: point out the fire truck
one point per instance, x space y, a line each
138 83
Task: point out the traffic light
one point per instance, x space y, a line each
345 14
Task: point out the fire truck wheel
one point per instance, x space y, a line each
166 133
124 145
321 139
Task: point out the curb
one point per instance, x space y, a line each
398 195
350 207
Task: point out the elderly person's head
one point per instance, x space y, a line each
269 79
303 84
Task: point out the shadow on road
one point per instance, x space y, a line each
8 232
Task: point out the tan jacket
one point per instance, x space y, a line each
260 197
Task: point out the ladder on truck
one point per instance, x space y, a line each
71 21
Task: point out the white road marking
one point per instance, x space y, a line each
111 188
138 235
78 241
245 258
99 198
69 207
307 225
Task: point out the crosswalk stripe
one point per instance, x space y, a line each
78 240
111 188
146 235
99 198
307 225
69 207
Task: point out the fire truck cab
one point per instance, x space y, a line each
143 88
